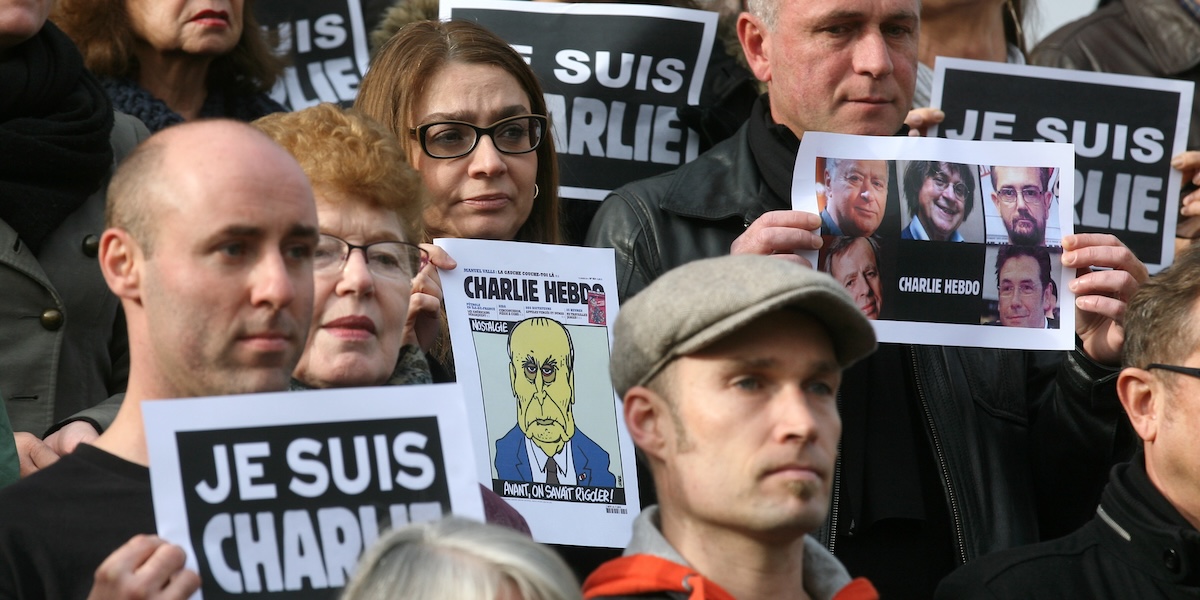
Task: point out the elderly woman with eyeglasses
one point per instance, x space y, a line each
369 210
375 291
471 118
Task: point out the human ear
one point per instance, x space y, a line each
121 263
645 418
1137 390
752 34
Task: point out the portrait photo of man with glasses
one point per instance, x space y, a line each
940 196
1022 197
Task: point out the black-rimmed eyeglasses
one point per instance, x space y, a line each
1190 371
452 139
391 259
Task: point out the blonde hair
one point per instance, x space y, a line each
345 151
458 559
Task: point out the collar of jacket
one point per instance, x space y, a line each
723 183
824 575
1172 35
1145 530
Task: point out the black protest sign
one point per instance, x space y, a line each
614 77
277 499
326 45
1125 131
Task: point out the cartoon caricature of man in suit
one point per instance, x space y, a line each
545 446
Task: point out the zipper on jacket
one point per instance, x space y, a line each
833 504
940 454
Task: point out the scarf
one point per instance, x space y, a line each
55 123
411 369
646 573
130 98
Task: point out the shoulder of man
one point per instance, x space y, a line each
127 133
1055 569
653 224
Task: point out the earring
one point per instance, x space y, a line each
536 191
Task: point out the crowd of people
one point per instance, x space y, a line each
168 231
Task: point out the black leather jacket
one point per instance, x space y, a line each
1023 440
1152 38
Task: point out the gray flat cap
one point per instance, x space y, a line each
694 305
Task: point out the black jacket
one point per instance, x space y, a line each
1151 38
1022 438
1137 546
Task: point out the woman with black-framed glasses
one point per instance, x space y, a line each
472 120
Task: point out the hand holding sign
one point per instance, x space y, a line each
145 567
919 120
1101 296
425 304
780 233
1189 164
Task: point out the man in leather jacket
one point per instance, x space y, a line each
1139 542
1150 38
947 453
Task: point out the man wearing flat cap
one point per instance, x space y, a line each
729 370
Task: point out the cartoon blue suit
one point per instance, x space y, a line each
591 461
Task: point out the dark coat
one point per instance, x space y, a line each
1023 440
1151 38
1137 546
73 350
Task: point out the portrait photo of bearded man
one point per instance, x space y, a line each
545 446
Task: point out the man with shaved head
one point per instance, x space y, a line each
211 228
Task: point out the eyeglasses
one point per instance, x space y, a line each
392 260
1032 196
1026 290
941 181
451 139
1193 372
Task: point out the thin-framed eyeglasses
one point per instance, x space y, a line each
941 181
1033 196
388 259
1026 290
451 139
1190 371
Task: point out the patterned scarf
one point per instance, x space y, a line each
130 98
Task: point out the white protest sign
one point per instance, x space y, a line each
531 326
276 495
995 281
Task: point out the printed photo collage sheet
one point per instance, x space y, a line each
531 327
277 495
941 241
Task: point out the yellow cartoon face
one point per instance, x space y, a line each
541 371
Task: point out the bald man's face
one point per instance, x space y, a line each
543 383
227 292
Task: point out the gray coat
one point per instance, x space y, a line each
65 349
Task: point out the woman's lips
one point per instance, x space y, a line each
488 202
213 18
353 327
